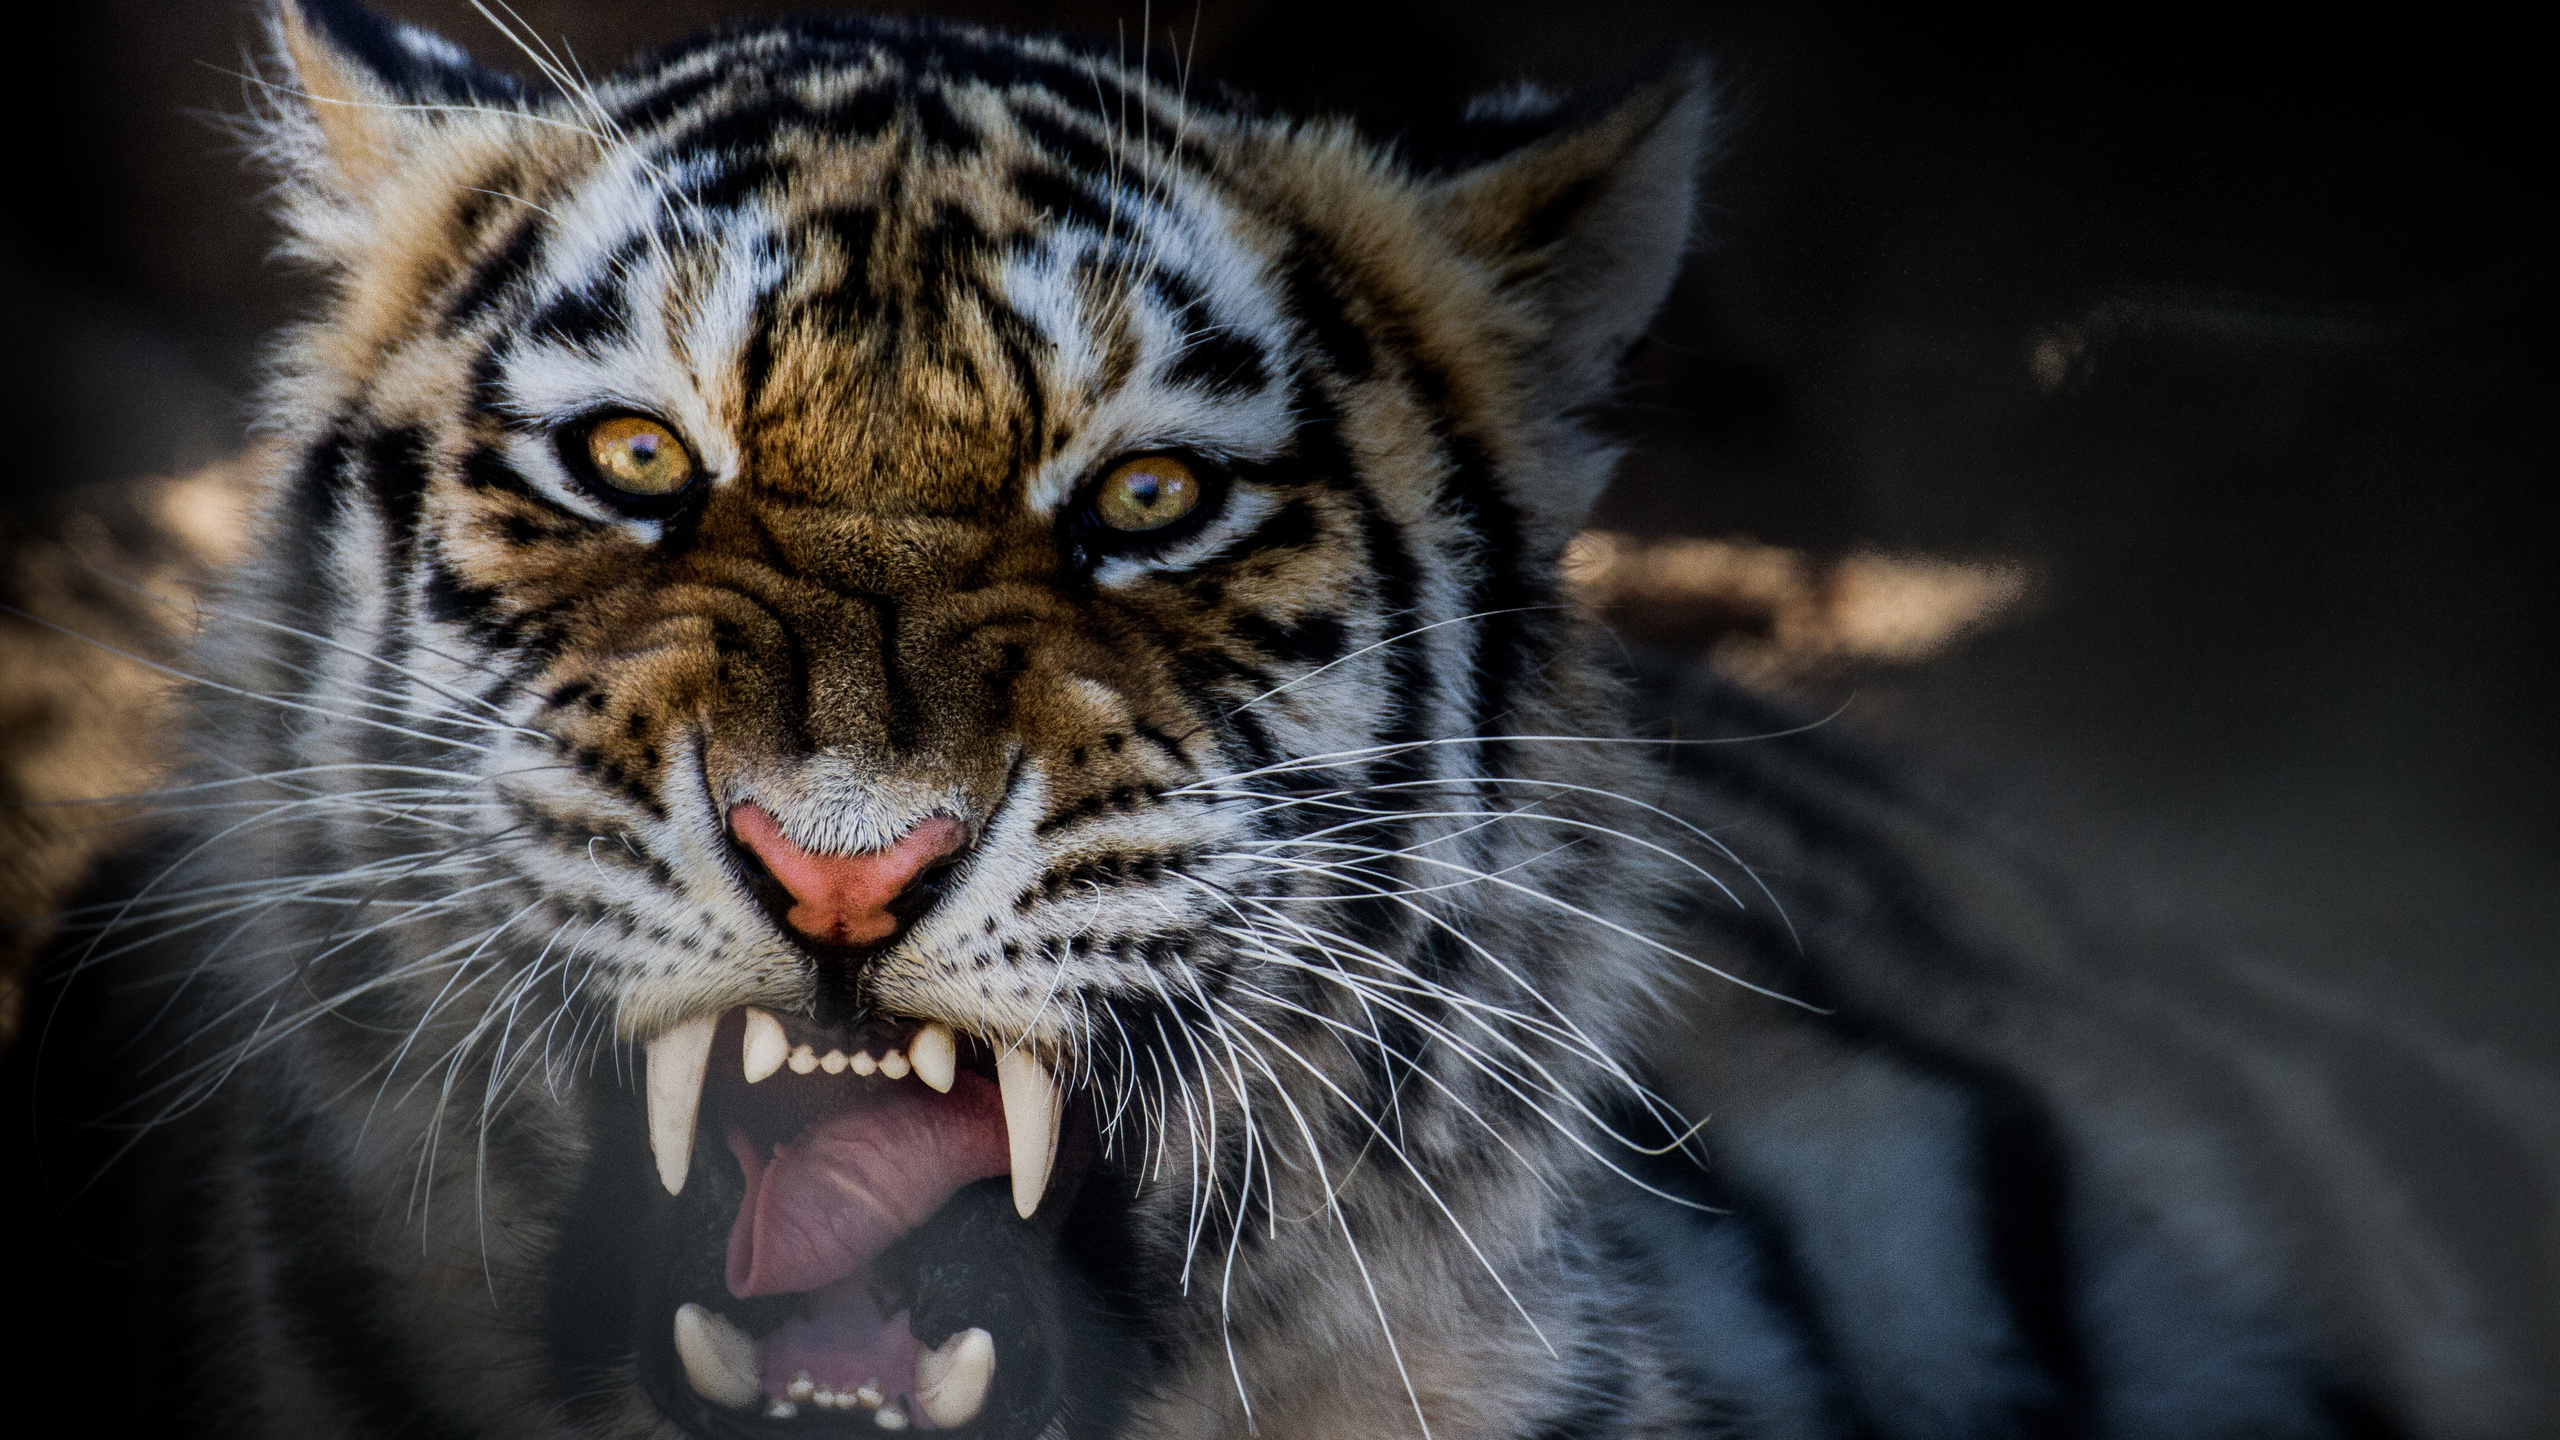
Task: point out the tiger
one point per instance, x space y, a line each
894 672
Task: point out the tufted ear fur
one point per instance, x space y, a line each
375 88
1586 204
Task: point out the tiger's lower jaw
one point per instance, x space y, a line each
860 1234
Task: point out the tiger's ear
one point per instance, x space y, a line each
1585 204
374 88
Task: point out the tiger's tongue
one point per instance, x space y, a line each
822 1206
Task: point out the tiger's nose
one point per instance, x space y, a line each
846 899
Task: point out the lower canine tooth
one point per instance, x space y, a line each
890 1418
935 1053
722 1362
951 1382
1030 1125
677 1061
766 1048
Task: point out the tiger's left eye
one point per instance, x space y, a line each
1147 493
639 456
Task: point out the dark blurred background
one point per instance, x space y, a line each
2237 331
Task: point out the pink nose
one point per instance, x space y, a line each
844 899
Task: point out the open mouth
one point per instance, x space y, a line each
863 1216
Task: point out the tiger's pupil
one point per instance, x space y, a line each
1147 494
639 457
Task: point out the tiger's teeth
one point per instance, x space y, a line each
766 1048
677 1061
1030 1125
935 1053
951 1382
722 1362
894 1065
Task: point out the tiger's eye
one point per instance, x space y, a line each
639 457
1147 494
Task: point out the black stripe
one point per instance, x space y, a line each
940 126
737 128
1510 637
1786 1294
488 281
336 1303
735 179
755 365
1220 361
1308 278
311 513
395 469
849 304
588 317
488 381
1291 527
1019 342
652 108
1062 137
1316 639
455 601
485 467
862 114
1062 197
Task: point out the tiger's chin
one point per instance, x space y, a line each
858 1231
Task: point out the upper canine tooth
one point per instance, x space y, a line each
1030 1125
951 1382
766 1048
724 1363
677 1061
935 1053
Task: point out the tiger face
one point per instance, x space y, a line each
979 619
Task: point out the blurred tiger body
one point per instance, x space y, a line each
1283 852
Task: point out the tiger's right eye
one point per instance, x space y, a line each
639 457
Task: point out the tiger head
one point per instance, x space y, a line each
953 645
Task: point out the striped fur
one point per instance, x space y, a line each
1291 855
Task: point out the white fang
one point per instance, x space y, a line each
677 1061
935 1052
1030 1125
765 1046
723 1363
951 1382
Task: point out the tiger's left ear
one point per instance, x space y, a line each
376 90
1586 206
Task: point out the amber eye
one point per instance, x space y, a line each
639 457
1148 493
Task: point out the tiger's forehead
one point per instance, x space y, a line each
902 281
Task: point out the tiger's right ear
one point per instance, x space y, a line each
375 88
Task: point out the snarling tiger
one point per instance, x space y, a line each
905 752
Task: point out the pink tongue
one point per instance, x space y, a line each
824 1205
